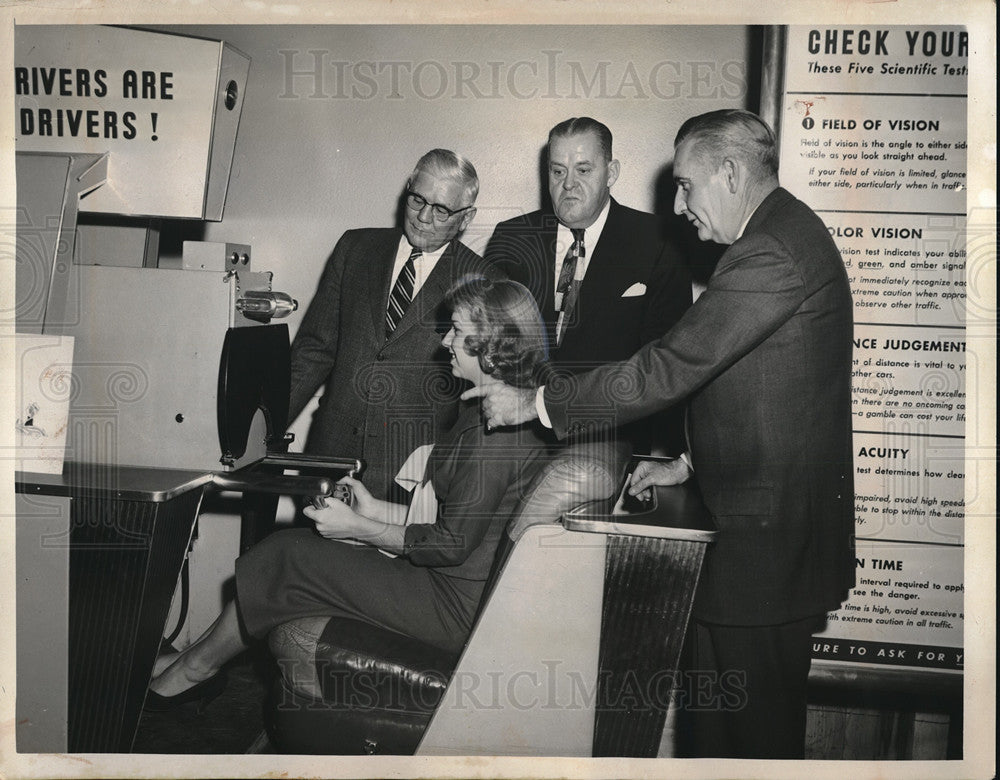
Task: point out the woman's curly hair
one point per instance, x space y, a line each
510 340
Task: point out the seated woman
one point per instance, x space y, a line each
431 589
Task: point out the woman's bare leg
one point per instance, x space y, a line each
221 642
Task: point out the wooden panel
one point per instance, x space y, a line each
124 560
826 730
648 593
868 734
873 713
930 737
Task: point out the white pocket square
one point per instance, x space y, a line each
635 290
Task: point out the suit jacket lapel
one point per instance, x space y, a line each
430 294
600 277
547 265
599 255
380 281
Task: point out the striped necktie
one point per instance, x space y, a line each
402 294
568 286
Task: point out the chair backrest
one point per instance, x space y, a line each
580 473
577 474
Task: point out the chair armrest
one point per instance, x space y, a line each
674 512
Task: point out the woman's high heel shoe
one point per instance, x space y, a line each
203 693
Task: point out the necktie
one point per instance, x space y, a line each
401 294
568 286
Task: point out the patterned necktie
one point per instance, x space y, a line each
568 286
402 294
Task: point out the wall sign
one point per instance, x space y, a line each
873 137
165 108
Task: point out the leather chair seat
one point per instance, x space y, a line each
349 688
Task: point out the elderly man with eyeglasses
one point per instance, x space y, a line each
371 334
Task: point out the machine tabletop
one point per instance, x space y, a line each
128 483
675 512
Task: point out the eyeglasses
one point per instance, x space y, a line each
441 213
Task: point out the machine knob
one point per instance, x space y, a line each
264 305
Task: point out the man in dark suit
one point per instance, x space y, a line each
605 279
764 357
372 333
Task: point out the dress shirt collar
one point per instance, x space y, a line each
423 265
591 235
745 223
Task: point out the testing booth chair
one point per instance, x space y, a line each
573 652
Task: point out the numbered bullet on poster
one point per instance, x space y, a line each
808 123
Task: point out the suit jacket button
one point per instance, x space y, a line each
380 356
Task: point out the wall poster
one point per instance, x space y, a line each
873 137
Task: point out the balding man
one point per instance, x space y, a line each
764 359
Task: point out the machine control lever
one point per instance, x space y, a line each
285 485
265 305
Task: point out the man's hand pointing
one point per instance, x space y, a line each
503 404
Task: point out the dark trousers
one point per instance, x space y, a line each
744 690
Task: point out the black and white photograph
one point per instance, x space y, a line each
562 389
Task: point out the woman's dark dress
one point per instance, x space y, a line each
433 591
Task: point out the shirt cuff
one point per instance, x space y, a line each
540 407
686 457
